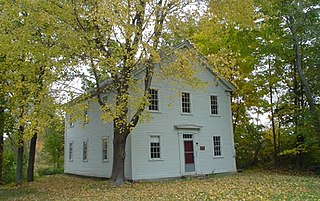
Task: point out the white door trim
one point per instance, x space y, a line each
195 150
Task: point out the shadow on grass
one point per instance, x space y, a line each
14 192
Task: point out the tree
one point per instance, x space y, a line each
2 122
289 36
29 68
227 37
260 47
54 142
114 39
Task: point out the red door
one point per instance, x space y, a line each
188 152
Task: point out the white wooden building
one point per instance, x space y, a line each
190 133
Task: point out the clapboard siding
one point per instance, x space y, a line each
94 132
162 123
138 164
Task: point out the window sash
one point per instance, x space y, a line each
187 136
213 105
70 151
86 116
105 99
104 149
216 145
154 100
155 148
71 124
85 150
185 102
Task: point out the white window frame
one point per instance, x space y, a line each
102 149
214 146
158 100
160 147
85 152
70 151
190 102
71 124
86 116
210 105
104 99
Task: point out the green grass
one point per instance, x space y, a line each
249 185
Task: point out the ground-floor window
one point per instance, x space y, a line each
85 150
155 147
216 140
70 151
104 149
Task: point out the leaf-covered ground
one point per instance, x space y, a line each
240 186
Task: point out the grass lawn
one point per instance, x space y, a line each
248 185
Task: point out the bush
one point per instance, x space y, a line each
49 171
9 166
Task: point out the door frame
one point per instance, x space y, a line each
195 152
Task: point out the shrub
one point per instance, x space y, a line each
49 171
9 166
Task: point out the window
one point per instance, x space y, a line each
86 116
71 124
85 150
214 105
104 149
155 147
104 99
216 146
185 102
70 151
154 100
187 136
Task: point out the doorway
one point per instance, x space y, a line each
189 162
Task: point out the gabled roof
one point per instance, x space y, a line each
227 85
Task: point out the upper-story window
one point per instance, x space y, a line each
185 102
71 123
86 116
214 105
104 99
154 100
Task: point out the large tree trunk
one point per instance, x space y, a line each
275 150
305 84
119 154
20 157
32 155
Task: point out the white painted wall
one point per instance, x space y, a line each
163 123
138 164
93 131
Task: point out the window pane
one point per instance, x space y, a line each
214 104
187 136
70 150
155 147
185 102
71 124
86 116
104 149
216 146
153 99
85 150
104 99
